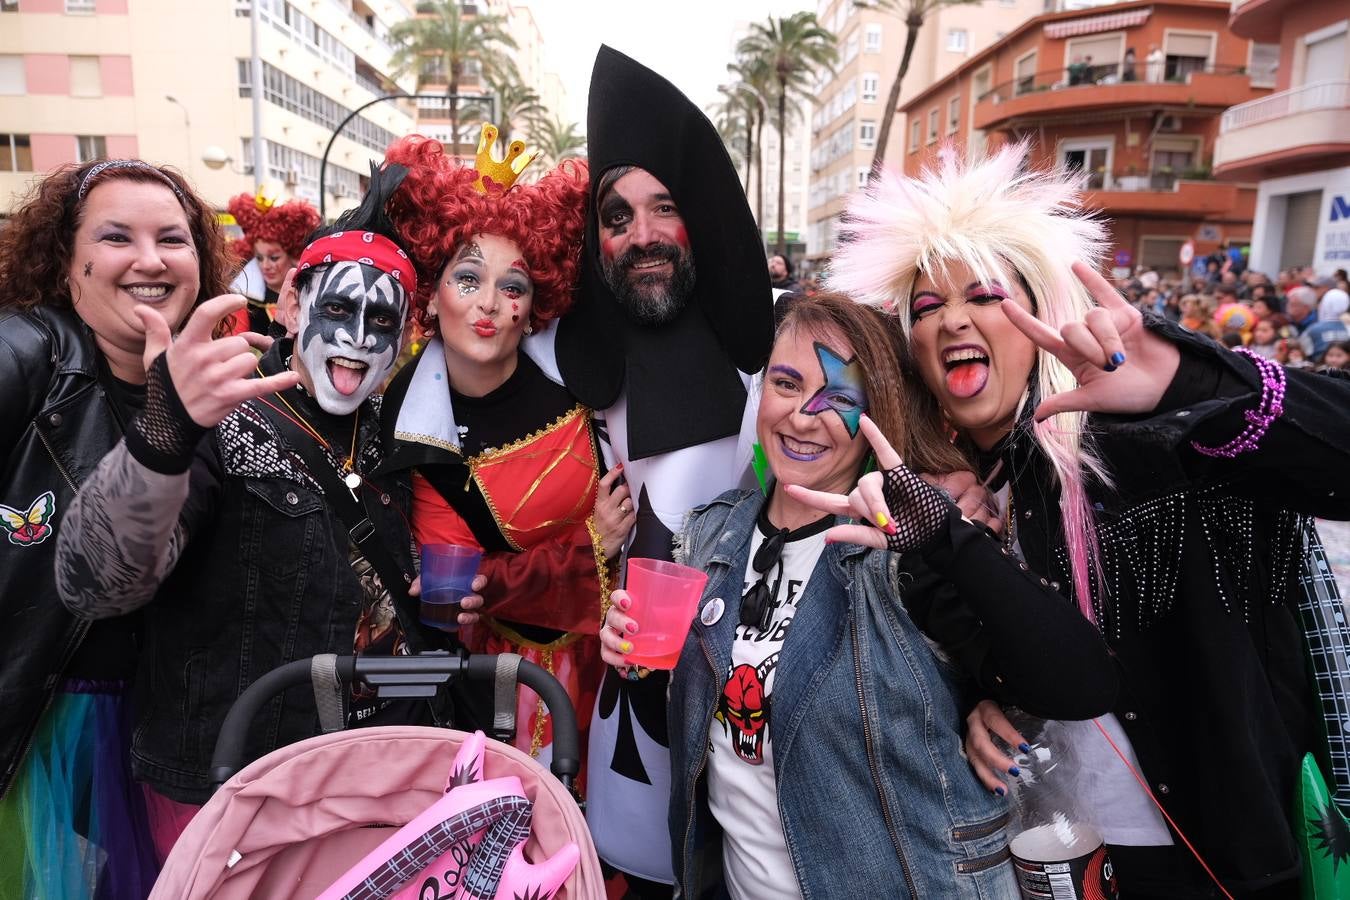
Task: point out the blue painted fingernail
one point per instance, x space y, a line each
1109 368
1117 358
1000 791
1024 747
1014 771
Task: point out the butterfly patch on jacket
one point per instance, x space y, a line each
27 528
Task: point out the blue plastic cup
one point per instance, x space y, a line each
447 578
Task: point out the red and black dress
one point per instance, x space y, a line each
515 473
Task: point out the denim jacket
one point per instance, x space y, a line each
875 796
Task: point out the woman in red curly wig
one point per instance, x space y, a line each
504 458
274 237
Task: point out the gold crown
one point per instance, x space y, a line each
505 172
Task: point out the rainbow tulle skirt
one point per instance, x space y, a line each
73 824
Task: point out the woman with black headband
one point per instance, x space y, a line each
88 245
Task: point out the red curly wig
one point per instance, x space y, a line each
437 208
288 224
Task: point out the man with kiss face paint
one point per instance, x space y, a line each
348 331
229 516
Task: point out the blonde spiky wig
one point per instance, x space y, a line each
1010 224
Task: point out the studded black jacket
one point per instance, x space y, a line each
1199 601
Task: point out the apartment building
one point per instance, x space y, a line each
433 116
1295 143
796 188
847 115
173 82
1131 93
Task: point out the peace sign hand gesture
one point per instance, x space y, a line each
904 513
1121 367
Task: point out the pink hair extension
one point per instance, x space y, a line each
1080 533
999 217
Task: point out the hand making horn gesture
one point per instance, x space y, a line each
211 376
904 512
1121 367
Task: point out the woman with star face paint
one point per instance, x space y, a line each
808 710
502 457
1157 480
79 255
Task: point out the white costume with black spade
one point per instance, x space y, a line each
676 402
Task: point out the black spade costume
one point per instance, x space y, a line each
674 400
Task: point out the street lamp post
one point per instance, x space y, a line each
187 132
323 162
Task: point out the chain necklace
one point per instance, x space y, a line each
350 477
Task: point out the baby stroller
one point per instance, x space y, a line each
295 822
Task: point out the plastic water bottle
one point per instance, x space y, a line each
1057 853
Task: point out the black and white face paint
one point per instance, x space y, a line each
350 332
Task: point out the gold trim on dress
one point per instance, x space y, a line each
493 453
515 637
427 440
601 568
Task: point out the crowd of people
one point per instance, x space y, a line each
1299 319
964 481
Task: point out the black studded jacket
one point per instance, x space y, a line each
1200 559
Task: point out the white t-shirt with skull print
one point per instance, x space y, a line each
742 785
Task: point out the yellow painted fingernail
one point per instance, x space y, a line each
626 647
882 521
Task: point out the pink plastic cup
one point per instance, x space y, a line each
665 598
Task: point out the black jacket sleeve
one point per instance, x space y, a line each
1021 640
1301 463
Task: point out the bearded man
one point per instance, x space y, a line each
673 319
242 519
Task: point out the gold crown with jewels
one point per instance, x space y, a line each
501 173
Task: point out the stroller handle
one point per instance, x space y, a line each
380 671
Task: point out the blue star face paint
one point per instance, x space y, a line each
843 391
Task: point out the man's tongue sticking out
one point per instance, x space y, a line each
345 377
967 379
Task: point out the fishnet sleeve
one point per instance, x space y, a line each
920 511
163 436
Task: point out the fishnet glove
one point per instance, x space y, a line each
920 511
163 437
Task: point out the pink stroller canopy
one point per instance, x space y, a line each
294 821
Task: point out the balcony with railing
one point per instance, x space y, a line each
1075 89
1164 193
1295 130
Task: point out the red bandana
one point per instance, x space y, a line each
362 247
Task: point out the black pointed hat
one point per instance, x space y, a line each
682 382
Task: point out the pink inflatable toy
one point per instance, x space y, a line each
468 845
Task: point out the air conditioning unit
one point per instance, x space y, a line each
292 177
1169 123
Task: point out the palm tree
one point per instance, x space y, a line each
557 140
734 125
794 47
441 39
754 86
517 102
914 13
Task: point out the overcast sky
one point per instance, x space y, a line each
690 42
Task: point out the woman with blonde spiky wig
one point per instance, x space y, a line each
1149 472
